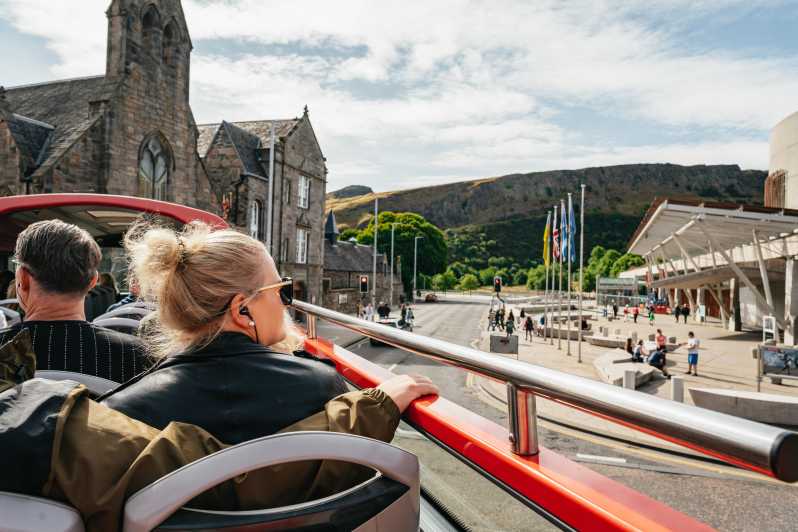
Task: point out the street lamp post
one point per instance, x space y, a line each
376 228
393 228
415 264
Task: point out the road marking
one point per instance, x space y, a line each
597 458
392 367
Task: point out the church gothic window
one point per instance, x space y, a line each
154 164
151 33
170 43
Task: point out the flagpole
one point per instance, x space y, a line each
570 205
559 292
551 290
581 265
546 232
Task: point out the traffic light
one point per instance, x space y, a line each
497 284
364 284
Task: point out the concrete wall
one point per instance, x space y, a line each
784 156
751 314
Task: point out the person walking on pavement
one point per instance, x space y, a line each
615 311
510 316
509 327
522 315
529 327
676 312
491 321
635 312
692 344
651 315
685 312
369 312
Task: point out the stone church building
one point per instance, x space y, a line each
132 132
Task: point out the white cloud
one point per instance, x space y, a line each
463 87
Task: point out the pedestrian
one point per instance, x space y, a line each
522 315
625 313
491 320
685 312
615 311
676 312
635 312
657 360
639 351
510 316
369 312
661 340
692 353
529 327
509 327
651 316
360 311
403 312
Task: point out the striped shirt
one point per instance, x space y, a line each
82 347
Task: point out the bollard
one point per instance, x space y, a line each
677 389
671 339
630 379
634 338
651 337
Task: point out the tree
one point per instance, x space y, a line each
444 281
432 250
520 278
348 233
469 282
626 262
486 276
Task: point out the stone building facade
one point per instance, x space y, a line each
131 131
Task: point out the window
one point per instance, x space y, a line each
287 192
255 219
154 164
301 246
304 192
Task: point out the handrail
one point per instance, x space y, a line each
763 448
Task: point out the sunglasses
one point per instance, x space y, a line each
286 287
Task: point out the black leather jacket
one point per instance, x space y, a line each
234 388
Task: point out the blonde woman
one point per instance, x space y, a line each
223 338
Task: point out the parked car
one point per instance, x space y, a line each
430 298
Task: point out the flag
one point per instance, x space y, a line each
564 230
571 229
555 239
546 250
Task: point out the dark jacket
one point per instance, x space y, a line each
234 388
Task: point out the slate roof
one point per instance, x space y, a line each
206 134
61 104
330 226
30 136
246 144
349 257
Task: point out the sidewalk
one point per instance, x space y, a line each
725 361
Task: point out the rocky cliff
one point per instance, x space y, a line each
511 209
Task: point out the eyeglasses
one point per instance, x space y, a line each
286 287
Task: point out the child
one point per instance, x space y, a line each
651 316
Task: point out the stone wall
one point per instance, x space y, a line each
10 164
81 169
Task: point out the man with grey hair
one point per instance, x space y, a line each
56 267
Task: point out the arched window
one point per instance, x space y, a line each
171 40
155 163
151 32
255 214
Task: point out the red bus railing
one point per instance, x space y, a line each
548 481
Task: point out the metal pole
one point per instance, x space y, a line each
393 228
559 293
523 420
549 327
376 226
581 266
570 241
415 263
271 194
547 264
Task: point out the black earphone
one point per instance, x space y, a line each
244 311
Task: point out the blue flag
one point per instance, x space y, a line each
571 230
564 230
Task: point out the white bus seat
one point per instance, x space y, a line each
396 485
135 313
125 325
12 316
96 385
23 513
5 302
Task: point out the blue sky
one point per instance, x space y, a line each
412 93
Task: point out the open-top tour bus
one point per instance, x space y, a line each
506 470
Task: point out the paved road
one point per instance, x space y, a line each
725 498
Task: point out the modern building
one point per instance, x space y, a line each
131 131
781 187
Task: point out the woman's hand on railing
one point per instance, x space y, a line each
404 389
